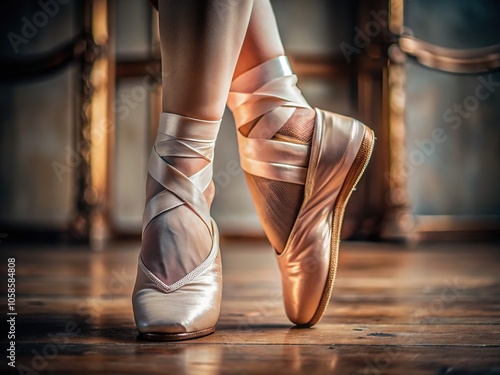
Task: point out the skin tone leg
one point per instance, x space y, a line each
262 41
200 44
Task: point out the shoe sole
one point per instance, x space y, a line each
353 176
175 336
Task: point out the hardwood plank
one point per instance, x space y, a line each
414 312
257 329
262 359
433 309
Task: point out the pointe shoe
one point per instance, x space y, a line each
185 303
329 168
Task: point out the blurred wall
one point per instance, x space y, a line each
37 117
455 175
453 120
313 29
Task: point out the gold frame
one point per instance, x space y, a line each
400 224
96 126
384 188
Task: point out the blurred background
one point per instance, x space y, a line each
80 99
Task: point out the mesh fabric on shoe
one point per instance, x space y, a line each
284 199
299 127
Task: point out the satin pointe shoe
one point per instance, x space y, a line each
183 300
328 169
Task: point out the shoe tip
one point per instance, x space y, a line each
161 327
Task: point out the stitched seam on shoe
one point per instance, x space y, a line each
349 147
184 280
311 170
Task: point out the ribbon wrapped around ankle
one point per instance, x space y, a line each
186 137
258 94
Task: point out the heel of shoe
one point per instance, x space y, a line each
354 175
357 169
175 336
191 310
179 236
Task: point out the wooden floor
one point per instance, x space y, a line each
395 310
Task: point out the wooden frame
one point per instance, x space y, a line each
91 222
400 224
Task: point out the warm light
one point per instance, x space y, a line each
396 16
101 123
99 126
100 22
